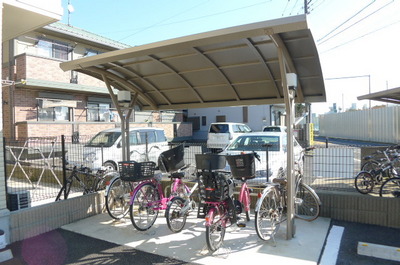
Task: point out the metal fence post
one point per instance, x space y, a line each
64 162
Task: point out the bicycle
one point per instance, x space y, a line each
88 181
118 192
374 161
117 197
365 181
242 168
148 197
271 207
181 203
216 198
390 188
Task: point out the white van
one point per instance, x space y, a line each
221 134
105 148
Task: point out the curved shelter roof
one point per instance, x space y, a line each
389 96
228 67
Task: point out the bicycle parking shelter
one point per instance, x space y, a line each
269 62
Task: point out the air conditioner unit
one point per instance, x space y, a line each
18 200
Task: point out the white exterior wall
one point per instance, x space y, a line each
374 125
258 116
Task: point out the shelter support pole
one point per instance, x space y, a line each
123 118
289 95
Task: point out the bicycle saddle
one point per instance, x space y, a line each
177 175
281 181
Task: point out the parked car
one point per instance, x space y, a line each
274 128
277 153
220 134
105 148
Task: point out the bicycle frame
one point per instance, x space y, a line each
243 197
162 203
217 208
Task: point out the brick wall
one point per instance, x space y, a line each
42 129
34 67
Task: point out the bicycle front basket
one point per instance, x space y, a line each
134 171
242 166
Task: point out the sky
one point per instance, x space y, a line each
357 40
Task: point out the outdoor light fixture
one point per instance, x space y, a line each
124 97
291 80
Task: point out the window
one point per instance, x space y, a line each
160 136
203 120
99 112
90 52
219 128
53 49
245 114
49 113
133 139
150 135
220 118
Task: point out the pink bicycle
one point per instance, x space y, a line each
217 204
148 197
243 168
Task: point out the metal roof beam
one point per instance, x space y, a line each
177 75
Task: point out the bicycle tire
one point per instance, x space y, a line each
269 216
117 199
364 182
67 188
142 212
390 188
175 219
307 203
370 165
215 231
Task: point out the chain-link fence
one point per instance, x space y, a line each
34 167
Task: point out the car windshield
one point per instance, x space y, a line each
255 143
105 139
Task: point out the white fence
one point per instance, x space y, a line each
374 125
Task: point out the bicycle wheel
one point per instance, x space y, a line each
117 198
215 231
370 165
66 188
364 182
390 188
268 217
142 212
307 204
176 219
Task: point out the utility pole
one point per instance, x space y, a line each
305 7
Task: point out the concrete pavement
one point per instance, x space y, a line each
241 245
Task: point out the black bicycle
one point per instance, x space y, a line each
83 179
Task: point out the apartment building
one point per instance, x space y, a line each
73 103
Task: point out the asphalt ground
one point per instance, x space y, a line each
356 232
59 247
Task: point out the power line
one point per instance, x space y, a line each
362 36
160 23
367 16
163 21
347 20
